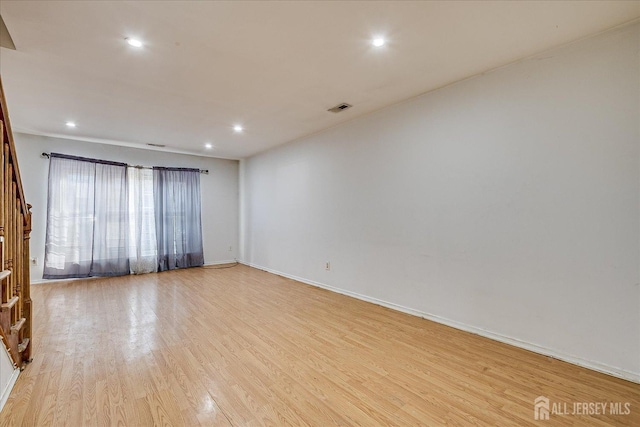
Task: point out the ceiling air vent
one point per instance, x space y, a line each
340 107
156 145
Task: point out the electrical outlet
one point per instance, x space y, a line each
327 266
34 261
230 248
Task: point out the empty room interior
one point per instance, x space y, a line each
319 213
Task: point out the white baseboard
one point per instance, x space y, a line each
590 364
231 261
7 390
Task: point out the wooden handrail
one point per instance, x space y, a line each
15 231
8 136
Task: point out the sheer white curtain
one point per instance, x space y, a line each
142 229
87 223
69 219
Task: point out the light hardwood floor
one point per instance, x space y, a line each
243 347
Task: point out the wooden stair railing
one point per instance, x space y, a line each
15 229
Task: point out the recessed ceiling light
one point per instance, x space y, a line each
208 146
378 42
238 128
70 124
133 42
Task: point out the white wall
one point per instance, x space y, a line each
8 374
506 204
219 189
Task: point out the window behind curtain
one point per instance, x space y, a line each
107 219
142 228
87 222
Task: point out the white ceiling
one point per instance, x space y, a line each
275 67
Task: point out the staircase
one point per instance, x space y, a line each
15 228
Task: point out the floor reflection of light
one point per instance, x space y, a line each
208 404
142 320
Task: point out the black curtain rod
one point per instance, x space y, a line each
204 171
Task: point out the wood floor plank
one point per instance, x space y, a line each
242 347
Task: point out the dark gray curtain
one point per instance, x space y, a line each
87 221
178 223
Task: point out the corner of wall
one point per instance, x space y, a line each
242 222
